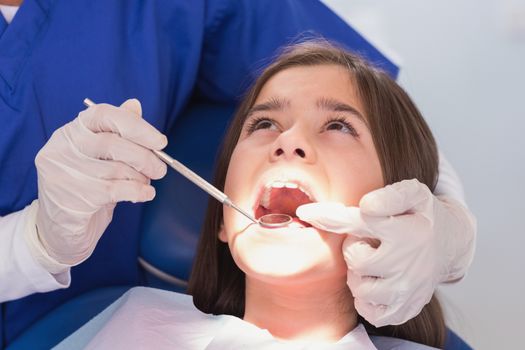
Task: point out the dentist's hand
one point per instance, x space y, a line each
100 158
423 241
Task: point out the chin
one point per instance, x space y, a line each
277 257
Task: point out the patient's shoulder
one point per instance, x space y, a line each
139 292
387 343
152 298
147 293
131 320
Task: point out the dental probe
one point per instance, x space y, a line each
269 220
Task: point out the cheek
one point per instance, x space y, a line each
233 189
239 185
232 173
240 166
239 171
353 174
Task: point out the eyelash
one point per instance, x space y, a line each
345 123
252 126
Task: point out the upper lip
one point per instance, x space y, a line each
301 179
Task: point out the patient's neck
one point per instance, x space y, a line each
316 312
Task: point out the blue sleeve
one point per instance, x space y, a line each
241 36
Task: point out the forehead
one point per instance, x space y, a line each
304 83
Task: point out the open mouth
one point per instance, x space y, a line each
282 198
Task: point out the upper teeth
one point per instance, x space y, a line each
279 184
265 199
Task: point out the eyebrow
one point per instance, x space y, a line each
273 104
334 105
324 103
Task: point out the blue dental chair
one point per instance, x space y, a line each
171 226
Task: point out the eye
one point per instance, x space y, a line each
342 125
260 124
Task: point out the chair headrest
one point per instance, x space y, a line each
172 221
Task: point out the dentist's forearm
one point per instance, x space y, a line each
20 272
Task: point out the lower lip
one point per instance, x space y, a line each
295 228
300 222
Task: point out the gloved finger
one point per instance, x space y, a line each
377 314
102 169
403 233
375 291
336 218
399 198
383 315
396 231
130 191
122 121
116 170
364 260
109 146
133 105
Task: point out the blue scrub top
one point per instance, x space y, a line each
57 52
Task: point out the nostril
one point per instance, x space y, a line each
279 152
300 152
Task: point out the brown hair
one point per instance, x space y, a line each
406 150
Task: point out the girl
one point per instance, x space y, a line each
318 125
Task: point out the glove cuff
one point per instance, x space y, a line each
35 246
461 240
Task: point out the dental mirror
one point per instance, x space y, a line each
268 220
275 220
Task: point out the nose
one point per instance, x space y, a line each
292 145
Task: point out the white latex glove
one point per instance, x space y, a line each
424 240
100 158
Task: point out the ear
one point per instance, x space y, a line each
222 234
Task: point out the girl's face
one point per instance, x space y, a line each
305 139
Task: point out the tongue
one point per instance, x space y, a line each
287 200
